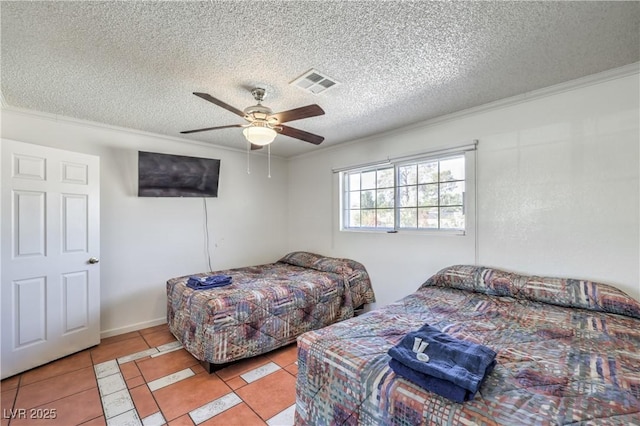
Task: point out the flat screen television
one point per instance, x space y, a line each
165 175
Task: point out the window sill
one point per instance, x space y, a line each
442 232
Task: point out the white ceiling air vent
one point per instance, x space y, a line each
314 81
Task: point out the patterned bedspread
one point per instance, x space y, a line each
568 352
266 306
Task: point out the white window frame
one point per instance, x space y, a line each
345 200
396 163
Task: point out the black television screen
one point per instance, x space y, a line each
164 175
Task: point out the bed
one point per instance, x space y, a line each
265 307
568 352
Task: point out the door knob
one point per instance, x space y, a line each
93 260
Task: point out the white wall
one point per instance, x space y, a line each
145 241
557 192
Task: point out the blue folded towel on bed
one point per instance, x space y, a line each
212 281
441 387
459 365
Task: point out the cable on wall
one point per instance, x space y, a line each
206 234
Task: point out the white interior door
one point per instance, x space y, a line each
50 215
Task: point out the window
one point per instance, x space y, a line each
423 194
370 198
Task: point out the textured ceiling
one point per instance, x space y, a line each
136 64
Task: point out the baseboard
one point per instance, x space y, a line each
133 327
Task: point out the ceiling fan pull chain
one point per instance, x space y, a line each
269 159
248 162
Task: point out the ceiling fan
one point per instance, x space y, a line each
263 124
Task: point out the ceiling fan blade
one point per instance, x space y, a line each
208 97
301 134
298 113
211 128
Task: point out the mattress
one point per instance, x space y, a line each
266 306
568 352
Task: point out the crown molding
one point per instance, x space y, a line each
582 82
102 126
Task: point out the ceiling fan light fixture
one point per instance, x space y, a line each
259 134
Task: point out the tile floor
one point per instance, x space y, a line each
146 378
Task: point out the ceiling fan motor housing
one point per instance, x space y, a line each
258 94
257 112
